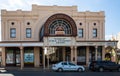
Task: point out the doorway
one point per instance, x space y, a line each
91 53
12 56
58 54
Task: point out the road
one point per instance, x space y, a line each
44 73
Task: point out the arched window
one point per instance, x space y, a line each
59 27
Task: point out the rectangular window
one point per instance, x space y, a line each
28 55
94 32
28 32
80 33
13 33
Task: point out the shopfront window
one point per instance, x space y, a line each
28 56
12 56
81 55
9 57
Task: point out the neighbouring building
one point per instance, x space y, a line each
49 34
118 38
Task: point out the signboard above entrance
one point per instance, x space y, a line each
59 41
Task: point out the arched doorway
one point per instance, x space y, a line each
58 26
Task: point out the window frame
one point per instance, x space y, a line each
12 32
95 32
80 33
28 34
60 23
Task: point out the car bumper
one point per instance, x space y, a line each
54 68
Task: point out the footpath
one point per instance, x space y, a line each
2 69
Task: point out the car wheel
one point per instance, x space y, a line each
79 70
60 70
119 69
101 69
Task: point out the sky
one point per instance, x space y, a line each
111 8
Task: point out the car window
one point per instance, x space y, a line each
64 63
111 63
71 64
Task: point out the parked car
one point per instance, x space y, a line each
67 66
103 65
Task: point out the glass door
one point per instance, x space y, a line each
91 53
17 61
12 56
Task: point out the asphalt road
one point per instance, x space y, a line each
44 73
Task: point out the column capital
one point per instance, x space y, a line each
21 47
75 47
71 47
96 46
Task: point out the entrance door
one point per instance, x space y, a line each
67 54
91 53
55 54
12 56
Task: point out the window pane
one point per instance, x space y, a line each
13 35
12 32
80 32
28 55
28 35
94 32
59 23
28 32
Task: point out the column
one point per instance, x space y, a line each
48 52
37 56
63 52
87 55
21 56
3 57
72 54
43 57
75 55
103 52
96 52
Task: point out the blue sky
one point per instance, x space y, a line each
111 8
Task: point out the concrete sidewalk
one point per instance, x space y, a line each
27 69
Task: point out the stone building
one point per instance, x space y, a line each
49 34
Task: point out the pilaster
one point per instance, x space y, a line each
37 57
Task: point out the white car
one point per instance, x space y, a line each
67 66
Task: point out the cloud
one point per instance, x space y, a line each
108 37
13 4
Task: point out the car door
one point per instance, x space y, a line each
113 65
65 66
72 66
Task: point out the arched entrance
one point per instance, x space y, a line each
57 54
60 28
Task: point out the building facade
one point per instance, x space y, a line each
49 34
